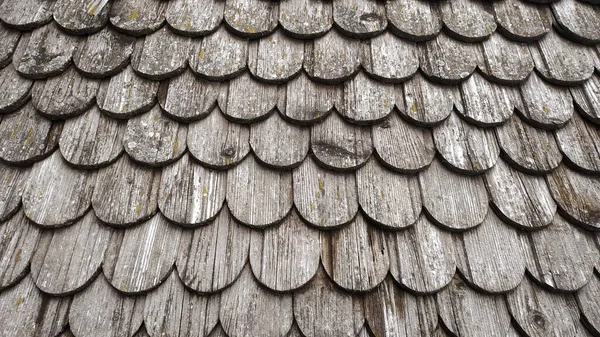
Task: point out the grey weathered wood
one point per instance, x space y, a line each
390 311
190 194
154 139
485 103
187 98
27 136
424 102
67 259
249 310
218 332
13 181
545 105
577 195
340 145
18 241
9 39
446 60
160 55
27 14
174 311
294 331
126 94
390 199
278 143
539 312
251 18
587 300
276 58
216 142
466 147
104 53
307 101
139 259
73 16
285 257
422 256
44 52
258 196
468 20
414 19
466 312
578 20
56 194
579 141
127 194
195 18
505 61
14 90
324 198
64 96
521 199
101 310
454 201
522 21
365 100
561 61
332 58
528 148
561 257
138 17
359 18
92 140
247 100
389 58
587 98
219 56
322 309
305 18
355 257
211 257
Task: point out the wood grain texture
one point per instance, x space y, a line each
160 55
92 139
425 103
365 100
578 20
27 136
522 21
251 18
468 20
18 241
219 249
422 256
14 180
126 94
279 144
285 257
104 53
579 142
390 199
340 145
528 148
101 310
186 98
173 310
138 17
73 16
359 18
544 105
246 100
505 61
446 60
14 90
485 103
388 58
276 58
216 142
455 201
324 198
587 98
26 15
521 199
413 19
68 259
305 18
63 96
195 18
221 55
9 39
332 58
465 147
587 300
307 101
128 193
190 194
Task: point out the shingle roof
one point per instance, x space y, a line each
300 168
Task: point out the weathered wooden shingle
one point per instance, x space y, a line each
359 18
365 100
104 53
544 105
485 103
138 17
578 20
18 242
73 16
246 100
195 18
522 21
579 141
219 56
307 101
305 18
14 90
332 58
388 58
424 102
251 18
27 14
446 60
414 19
587 98
504 61
186 98
14 179
160 55
587 300
468 20
275 58
9 39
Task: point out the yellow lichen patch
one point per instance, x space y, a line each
175 145
312 207
139 208
321 185
228 161
10 179
251 30
546 109
414 108
201 54
134 15
18 256
124 287
188 26
19 301
382 195
204 192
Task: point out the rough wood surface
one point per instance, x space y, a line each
307 101
247 100
324 198
579 21
186 98
579 141
424 102
73 16
587 300
190 194
18 241
160 55
340 145
92 140
521 199
251 18
422 257
128 193
485 103
195 18
447 60
276 58
219 249
332 58
26 14
414 19
9 39
285 257
126 94
505 61
68 259
587 98
14 90
305 18
545 105
468 20
365 100
221 55
522 21
14 180
279 144
389 58
390 199
359 18
104 53
138 17
216 142
455 201
65 95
